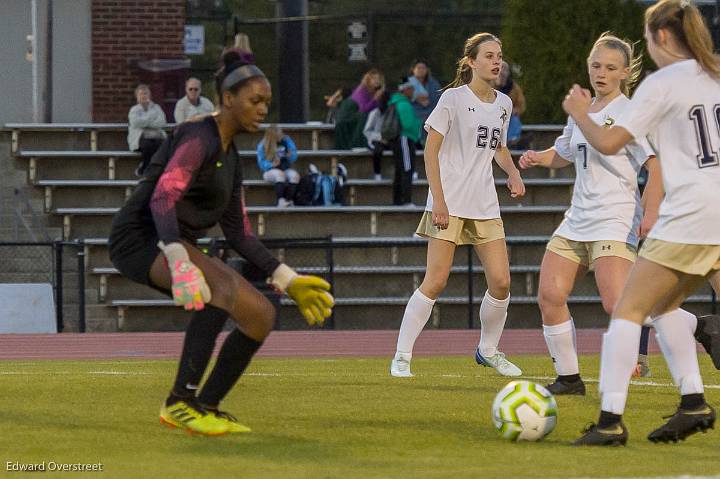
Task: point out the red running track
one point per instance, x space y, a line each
311 344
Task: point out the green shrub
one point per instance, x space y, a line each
550 41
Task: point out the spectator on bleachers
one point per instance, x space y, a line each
369 91
406 143
508 86
427 89
276 152
352 111
333 101
192 104
146 121
372 133
242 47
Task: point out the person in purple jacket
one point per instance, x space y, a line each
369 91
353 111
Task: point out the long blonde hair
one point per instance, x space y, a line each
685 22
463 74
365 82
632 62
273 135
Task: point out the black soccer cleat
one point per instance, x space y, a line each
684 423
707 333
594 435
566 388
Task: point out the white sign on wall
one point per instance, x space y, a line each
357 52
194 39
357 30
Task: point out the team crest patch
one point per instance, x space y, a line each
504 115
609 121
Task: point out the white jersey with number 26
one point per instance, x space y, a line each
473 130
679 107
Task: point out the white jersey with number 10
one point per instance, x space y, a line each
679 107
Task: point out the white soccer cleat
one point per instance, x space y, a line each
400 366
499 362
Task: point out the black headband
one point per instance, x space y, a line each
240 74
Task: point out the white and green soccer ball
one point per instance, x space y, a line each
524 411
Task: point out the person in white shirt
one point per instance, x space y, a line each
373 134
466 130
192 104
678 106
600 230
146 121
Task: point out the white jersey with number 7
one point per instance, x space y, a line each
679 107
606 197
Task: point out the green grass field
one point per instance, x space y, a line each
342 418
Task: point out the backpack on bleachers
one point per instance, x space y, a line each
390 126
305 192
319 189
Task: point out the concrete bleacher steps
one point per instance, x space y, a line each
306 221
76 176
375 313
365 251
119 164
366 192
113 136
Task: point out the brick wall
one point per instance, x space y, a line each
123 33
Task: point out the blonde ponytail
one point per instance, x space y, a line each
273 135
632 62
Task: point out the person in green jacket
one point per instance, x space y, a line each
405 144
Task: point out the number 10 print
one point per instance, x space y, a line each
707 156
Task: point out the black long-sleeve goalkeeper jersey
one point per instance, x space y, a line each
190 186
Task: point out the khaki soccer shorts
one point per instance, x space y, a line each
462 230
586 252
698 259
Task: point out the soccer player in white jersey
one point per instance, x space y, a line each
600 230
679 106
466 130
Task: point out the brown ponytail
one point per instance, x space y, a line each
632 62
463 74
685 22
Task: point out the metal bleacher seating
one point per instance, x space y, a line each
82 173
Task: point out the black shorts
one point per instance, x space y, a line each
133 251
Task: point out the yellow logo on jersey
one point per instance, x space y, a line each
609 121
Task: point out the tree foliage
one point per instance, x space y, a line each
550 41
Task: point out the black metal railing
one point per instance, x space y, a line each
63 264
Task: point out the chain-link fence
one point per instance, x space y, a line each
58 263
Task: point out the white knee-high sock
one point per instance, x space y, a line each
493 313
417 313
560 340
617 362
678 346
690 320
